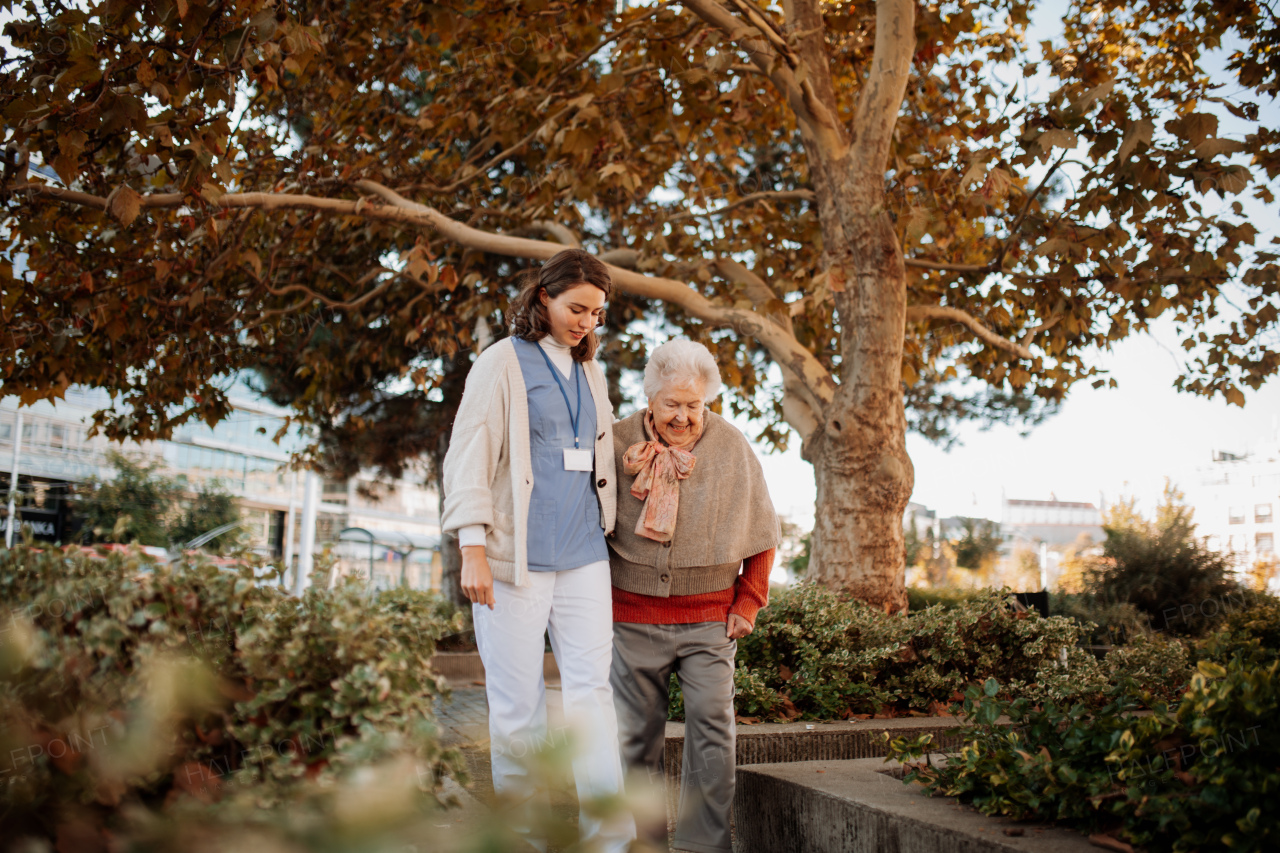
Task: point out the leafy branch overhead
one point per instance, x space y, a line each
221 166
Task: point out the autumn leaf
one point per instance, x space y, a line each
1138 131
449 278
124 204
162 269
1057 138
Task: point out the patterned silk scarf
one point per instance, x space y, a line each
658 470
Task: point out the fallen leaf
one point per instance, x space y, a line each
1106 842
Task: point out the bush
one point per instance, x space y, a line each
1250 632
1161 568
818 655
211 508
129 686
948 597
1202 776
1110 623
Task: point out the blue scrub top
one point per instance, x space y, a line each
565 530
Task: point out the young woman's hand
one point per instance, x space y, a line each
737 627
477 578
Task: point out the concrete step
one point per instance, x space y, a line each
856 807
770 743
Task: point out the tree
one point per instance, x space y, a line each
212 507
914 546
135 505
793 552
1161 567
979 544
859 195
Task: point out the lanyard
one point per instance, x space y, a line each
555 374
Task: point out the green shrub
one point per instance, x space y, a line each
1162 568
127 685
1160 664
1250 631
919 599
1110 624
818 655
1204 775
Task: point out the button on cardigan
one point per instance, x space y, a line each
488 472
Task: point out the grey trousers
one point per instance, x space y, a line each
701 656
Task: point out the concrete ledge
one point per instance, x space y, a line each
770 743
466 667
776 743
855 807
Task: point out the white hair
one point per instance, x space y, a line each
681 362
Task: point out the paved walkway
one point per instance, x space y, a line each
464 716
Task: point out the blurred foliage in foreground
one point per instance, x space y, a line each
132 693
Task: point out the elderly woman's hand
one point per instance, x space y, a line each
737 627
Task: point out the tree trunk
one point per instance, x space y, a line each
863 473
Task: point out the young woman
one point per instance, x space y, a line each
529 486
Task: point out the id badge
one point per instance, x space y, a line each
577 459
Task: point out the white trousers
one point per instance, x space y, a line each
575 607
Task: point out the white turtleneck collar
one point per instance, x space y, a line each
561 356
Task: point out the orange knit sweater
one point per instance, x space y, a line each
745 598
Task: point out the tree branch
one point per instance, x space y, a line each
625 257
1022 214
1043 327
921 263
562 234
768 195
800 408
881 98
917 313
759 42
784 347
502 155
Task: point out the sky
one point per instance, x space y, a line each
1108 441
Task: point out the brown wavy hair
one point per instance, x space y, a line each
563 271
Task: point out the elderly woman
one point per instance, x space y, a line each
690 558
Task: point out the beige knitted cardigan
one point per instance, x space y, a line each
725 516
488 472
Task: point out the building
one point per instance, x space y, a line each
1236 497
394 536
1042 532
1058 524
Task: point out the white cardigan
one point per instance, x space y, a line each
488 464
